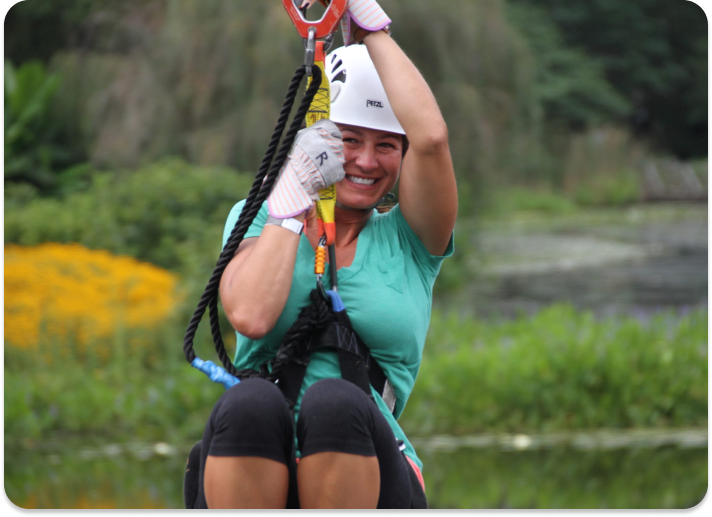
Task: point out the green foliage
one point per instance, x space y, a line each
653 53
168 213
603 168
60 25
621 189
29 151
149 393
560 369
518 199
571 86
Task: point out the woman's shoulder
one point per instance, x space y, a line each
234 215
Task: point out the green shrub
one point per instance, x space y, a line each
622 189
148 393
516 199
560 369
168 213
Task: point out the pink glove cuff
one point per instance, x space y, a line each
288 198
366 14
373 23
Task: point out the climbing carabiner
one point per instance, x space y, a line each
321 289
309 50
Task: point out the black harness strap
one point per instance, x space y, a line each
355 360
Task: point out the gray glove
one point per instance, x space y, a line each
316 162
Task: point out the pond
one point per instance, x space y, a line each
600 470
636 260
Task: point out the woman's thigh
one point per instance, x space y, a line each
337 416
250 419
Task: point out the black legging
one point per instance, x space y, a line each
252 419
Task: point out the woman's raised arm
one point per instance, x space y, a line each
427 191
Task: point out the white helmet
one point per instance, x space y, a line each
357 94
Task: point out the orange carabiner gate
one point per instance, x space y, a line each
324 27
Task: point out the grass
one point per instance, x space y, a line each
558 369
149 393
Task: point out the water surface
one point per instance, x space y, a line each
495 471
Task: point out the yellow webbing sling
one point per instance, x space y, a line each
319 110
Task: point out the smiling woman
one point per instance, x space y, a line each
337 443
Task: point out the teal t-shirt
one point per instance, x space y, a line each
387 291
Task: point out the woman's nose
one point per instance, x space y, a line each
366 158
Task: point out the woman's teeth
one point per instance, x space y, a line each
362 181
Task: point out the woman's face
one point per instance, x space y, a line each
373 160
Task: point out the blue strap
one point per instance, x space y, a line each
336 303
215 372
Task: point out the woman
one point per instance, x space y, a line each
350 448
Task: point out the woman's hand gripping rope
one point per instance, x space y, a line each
316 162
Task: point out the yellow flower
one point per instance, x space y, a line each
67 291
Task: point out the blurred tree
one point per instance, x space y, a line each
204 80
37 157
37 29
571 86
29 150
653 52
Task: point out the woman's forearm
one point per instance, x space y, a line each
409 95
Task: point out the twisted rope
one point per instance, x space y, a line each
259 191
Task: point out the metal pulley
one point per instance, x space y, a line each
323 27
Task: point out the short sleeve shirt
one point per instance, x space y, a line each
387 292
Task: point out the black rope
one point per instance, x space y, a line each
259 191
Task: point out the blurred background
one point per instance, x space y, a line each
566 364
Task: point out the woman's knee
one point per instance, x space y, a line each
253 400
336 415
332 396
